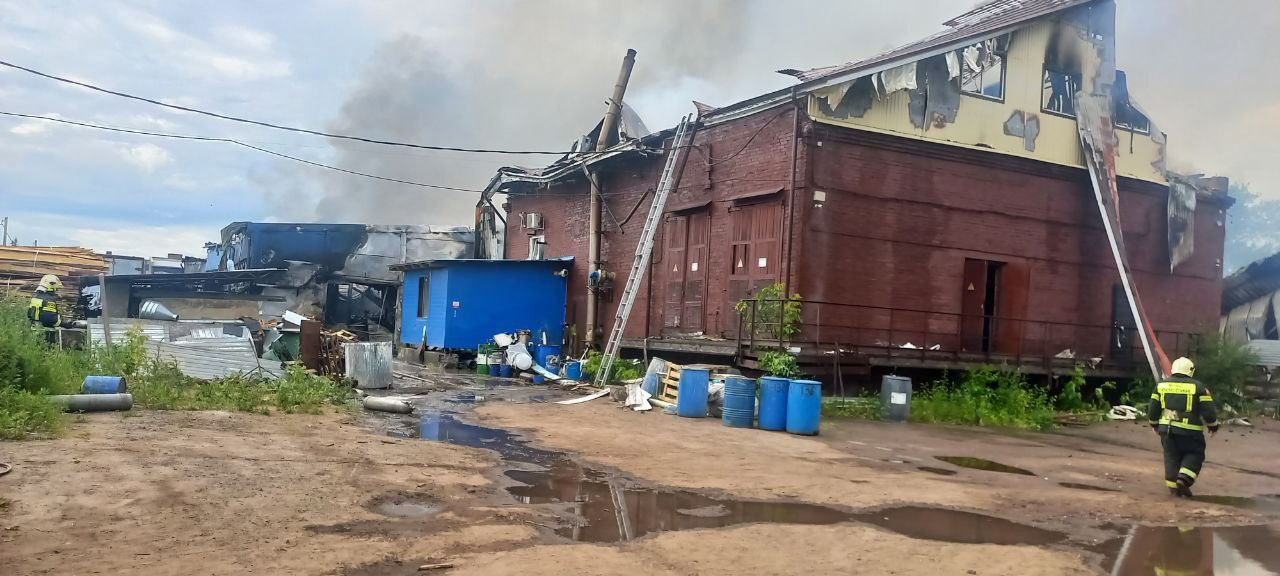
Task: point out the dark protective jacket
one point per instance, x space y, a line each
43 309
1182 405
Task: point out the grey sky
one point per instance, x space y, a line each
510 73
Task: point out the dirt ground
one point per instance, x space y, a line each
219 493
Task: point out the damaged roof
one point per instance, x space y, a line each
986 20
1250 283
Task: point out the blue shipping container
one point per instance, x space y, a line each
459 304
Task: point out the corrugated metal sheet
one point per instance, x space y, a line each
974 24
1268 351
1258 279
369 363
155 331
211 358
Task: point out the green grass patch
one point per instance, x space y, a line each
865 407
25 415
30 370
987 396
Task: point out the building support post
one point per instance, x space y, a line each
607 128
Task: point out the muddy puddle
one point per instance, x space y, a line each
938 471
1269 504
960 527
1079 486
983 464
403 506
606 508
1236 550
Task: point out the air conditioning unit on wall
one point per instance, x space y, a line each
531 221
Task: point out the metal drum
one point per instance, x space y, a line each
739 402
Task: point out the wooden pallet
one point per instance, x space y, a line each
670 383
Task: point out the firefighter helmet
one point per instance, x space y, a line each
49 283
1184 366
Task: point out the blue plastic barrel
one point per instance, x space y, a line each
739 402
804 407
773 402
104 385
504 371
573 370
543 355
691 397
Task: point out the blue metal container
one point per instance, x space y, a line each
104 385
739 402
773 402
573 370
505 371
691 397
804 407
456 303
548 356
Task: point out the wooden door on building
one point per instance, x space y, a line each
993 306
686 247
754 255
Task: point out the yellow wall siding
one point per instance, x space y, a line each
980 121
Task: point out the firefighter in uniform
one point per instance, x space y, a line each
1181 408
43 309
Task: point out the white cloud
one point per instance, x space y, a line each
146 241
111 235
148 121
180 182
243 69
242 37
30 127
147 157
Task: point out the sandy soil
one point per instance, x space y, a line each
217 493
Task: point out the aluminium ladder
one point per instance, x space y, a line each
644 249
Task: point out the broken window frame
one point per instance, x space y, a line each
1144 128
1046 88
997 47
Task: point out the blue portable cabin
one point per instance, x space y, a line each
462 303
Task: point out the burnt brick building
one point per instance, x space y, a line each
935 206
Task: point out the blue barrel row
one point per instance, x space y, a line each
791 405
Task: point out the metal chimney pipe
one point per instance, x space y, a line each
607 128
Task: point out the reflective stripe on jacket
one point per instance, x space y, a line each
1181 403
43 308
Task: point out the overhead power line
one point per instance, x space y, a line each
237 143
270 125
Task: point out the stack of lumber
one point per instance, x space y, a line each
333 359
22 266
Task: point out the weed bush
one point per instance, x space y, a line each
24 415
1226 367
865 407
622 369
986 396
779 363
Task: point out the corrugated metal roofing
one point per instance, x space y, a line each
974 24
445 262
1251 283
212 358
1268 351
156 331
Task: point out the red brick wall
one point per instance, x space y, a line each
743 156
898 224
